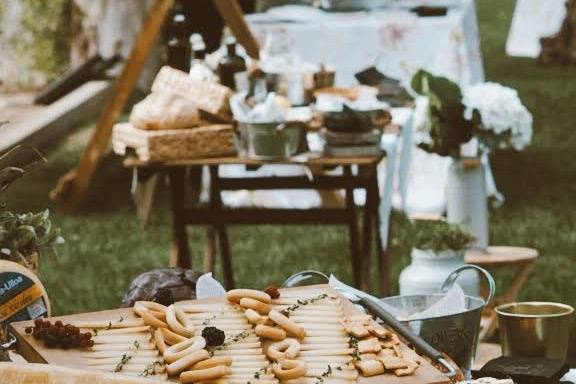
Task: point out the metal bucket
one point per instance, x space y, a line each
268 141
456 334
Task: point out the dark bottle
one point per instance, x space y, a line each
230 64
178 50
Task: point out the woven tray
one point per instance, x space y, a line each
205 141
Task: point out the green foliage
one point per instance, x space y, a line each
24 235
21 235
439 236
448 127
44 42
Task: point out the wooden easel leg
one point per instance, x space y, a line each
220 228
180 253
352 229
72 187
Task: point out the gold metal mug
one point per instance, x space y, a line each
535 329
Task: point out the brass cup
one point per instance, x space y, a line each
535 329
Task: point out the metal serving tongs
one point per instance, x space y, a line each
371 304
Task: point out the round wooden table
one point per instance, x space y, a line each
499 257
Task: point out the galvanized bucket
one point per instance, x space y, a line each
456 334
270 141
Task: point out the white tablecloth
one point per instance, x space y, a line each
397 40
532 20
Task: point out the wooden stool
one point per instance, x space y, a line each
497 257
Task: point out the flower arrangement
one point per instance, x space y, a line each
448 126
506 123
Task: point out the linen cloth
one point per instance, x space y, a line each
396 40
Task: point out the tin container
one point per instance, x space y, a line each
535 329
269 141
456 334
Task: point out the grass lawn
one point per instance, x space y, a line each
106 247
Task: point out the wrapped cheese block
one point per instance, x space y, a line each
15 373
209 97
22 295
163 110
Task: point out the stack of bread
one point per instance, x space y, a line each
181 118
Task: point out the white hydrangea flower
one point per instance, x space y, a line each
502 113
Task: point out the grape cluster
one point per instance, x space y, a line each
59 335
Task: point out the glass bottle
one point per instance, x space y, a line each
230 64
199 70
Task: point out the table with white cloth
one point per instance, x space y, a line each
398 41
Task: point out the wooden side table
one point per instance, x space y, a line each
217 217
500 257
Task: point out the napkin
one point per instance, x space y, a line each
207 286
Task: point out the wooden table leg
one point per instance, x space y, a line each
369 211
352 229
180 253
382 254
220 228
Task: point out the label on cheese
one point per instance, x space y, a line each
22 296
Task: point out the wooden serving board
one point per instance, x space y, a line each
36 352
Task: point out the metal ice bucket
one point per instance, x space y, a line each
456 334
267 141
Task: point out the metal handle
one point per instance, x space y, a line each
451 279
419 343
298 277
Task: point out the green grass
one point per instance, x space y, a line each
106 247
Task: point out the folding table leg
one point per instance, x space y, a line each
370 210
180 253
352 229
220 228
382 254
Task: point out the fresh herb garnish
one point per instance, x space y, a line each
353 343
151 368
234 339
123 361
208 320
327 373
300 303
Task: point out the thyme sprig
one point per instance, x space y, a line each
232 340
151 368
310 300
329 370
208 320
353 343
123 361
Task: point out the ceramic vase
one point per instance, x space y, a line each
466 202
429 269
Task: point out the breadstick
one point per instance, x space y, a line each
328 352
338 374
340 359
122 323
180 350
187 361
176 322
213 362
313 347
288 348
243 346
235 295
114 360
122 339
156 309
235 352
160 340
249 364
123 331
312 380
254 317
289 369
270 332
122 347
106 354
204 374
258 306
329 319
325 340
208 308
149 319
170 337
287 324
